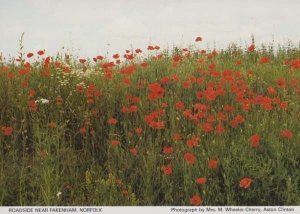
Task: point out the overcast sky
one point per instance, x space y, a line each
101 26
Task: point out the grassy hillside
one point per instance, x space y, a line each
161 127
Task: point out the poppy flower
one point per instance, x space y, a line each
251 48
138 51
82 60
41 52
190 158
286 134
254 140
196 200
212 164
29 55
264 60
112 121
176 137
7 131
116 56
82 130
168 150
201 180
245 182
219 129
179 105
115 142
138 130
192 142
198 39
32 105
167 169
133 151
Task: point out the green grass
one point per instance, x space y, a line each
47 160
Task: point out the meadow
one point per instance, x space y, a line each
184 126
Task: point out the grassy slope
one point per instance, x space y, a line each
37 162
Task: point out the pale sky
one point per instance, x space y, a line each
99 26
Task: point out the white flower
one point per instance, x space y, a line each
42 100
58 194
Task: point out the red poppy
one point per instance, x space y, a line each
201 180
198 39
115 142
176 137
179 105
7 131
168 150
32 105
254 140
264 60
251 48
82 60
138 130
245 182
82 130
207 127
168 170
29 55
196 200
190 158
133 151
116 56
138 50
212 164
286 134
219 129
40 52
112 121
192 142
271 90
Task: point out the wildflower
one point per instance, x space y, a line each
192 142
264 60
176 137
32 105
29 55
196 200
245 182
7 131
156 91
82 60
133 151
207 127
190 158
112 121
168 170
115 142
116 56
168 150
286 134
99 57
201 180
251 48
58 194
40 52
198 39
42 100
254 140
82 130
179 105
138 130
212 164
219 129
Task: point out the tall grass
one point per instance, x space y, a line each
70 151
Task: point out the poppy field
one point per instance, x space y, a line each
184 126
